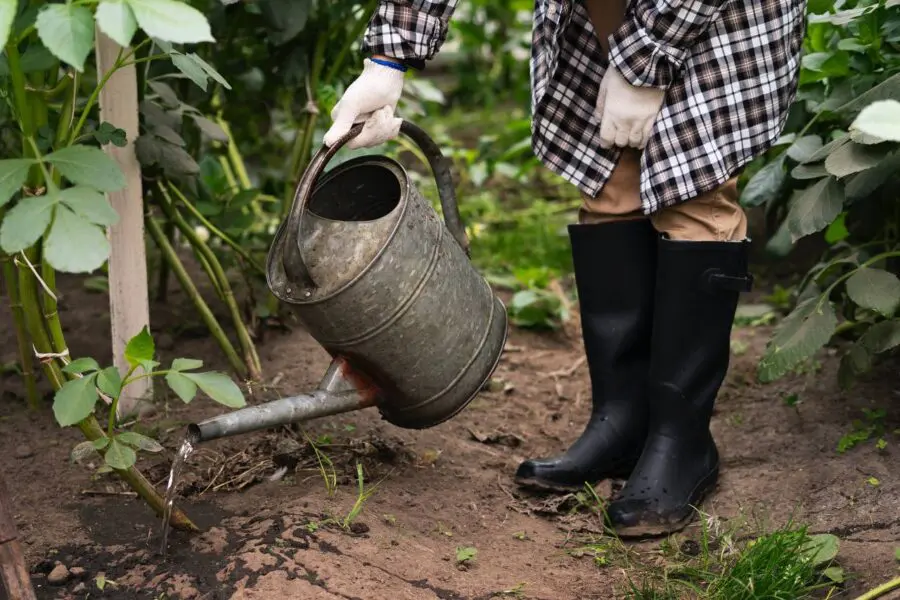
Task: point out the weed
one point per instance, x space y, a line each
361 497
465 555
516 592
326 467
864 430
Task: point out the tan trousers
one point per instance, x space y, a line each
713 216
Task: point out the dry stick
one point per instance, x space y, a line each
15 306
217 273
13 568
169 255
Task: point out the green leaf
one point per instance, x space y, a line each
183 387
140 350
765 184
197 70
88 166
887 89
67 30
13 173
864 183
835 574
90 205
837 231
115 19
880 119
822 548
74 244
165 93
8 9
141 442
219 387
816 171
855 361
805 147
823 152
171 21
897 553
82 451
852 158
109 133
109 380
211 129
26 223
800 335
119 456
101 442
881 337
186 364
75 400
875 289
815 208
81 365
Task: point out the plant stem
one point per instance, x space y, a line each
93 99
218 275
92 431
113 409
355 34
15 306
881 590
215 230
162 288
170 256
28 297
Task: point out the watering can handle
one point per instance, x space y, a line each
294 266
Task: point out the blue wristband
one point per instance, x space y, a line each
390 64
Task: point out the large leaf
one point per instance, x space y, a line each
881 337
26 222
89 204
802 333
183 387
88 166
75 401
875 289
81 365
219 387
197 70
852 158
765 184
815 208
8 9
822 548
805 147
140 349
117 21
880 119
74 244
287 17
816 171
864 183
120 456
171 21
109 380
13 173
141 442
886 90
67 30
823 152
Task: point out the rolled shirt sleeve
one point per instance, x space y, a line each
412 30
656 36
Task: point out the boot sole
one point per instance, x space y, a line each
656 530
547 486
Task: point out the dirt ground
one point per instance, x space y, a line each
269 521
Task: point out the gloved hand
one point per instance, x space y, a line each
372 98
626 112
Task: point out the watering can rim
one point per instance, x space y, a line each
294 267
392 165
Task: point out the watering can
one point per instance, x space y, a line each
386 288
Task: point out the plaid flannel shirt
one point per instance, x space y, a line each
730 68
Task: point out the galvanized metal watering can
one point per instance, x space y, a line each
387 289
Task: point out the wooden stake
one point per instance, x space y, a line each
128 295
13 568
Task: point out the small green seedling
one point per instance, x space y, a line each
77 399
465 555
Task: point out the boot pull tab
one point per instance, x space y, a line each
714 280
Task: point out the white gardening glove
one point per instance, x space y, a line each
626 112
372 98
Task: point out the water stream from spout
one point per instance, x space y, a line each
187 447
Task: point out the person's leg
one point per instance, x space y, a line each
702 268
614 250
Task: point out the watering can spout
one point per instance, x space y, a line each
340 391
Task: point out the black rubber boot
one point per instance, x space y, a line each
698 285
615 270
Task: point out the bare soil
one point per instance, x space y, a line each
269 523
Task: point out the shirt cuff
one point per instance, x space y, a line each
400 31
641 58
